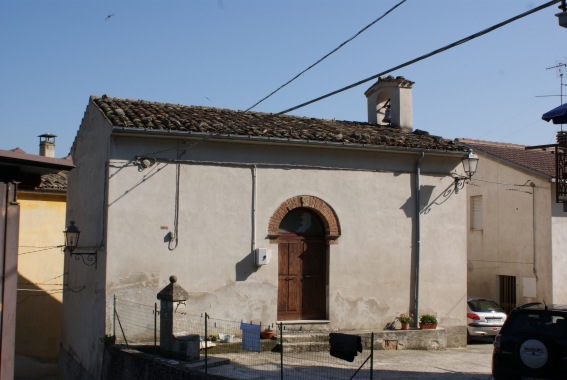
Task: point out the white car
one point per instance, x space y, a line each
484 317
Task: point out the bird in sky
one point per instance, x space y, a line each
109 16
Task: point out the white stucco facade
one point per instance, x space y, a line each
522 237
218 196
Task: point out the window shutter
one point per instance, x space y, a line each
476 212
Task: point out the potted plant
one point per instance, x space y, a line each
428 322
213 337
405 320
267 333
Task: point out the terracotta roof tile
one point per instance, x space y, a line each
144 115
54 181
538 160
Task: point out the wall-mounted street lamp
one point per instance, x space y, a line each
470 163
72 233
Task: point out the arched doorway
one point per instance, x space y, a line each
302 266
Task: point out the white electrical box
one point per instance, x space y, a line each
262 256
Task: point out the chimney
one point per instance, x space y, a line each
389 102
47 145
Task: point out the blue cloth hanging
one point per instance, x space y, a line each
250 336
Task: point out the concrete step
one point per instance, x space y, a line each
292 342
303 326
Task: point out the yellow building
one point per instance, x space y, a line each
41 196
40 268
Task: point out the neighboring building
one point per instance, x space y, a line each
41 201
164 189
517 233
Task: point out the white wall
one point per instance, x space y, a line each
369 267
505 245
559 257
84 301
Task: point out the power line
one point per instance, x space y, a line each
40 250
450 46
324 57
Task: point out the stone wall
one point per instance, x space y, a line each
123 364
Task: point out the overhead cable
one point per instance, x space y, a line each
450 46
324 57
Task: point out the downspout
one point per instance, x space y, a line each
533 186
253 242
417 236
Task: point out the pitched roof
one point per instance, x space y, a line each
197 120
540 161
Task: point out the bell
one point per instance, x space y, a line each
387 115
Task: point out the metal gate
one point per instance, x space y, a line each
508 293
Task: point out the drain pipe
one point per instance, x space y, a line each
417 236
254 189
534 233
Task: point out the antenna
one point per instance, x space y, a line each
560 68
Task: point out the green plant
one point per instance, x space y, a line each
428 318
214 337
405 318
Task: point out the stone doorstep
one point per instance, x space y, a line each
303 325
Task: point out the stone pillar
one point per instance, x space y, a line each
185 346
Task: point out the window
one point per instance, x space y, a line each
301 221
539 323
476 212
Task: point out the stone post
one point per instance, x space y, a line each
180 346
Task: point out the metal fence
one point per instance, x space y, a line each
226 350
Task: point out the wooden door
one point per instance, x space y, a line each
301 278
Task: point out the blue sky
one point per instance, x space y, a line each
231 53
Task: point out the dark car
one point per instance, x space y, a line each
532 344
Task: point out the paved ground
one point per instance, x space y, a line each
451 364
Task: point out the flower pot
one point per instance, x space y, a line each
427 326
405 326
266 334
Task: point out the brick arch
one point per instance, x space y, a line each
317 205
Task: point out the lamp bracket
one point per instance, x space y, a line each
87 254
460 182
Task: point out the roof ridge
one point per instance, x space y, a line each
105 96
486 142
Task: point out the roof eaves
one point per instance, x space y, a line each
280 140
35 160
508 162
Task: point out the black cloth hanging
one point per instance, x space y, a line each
345 346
